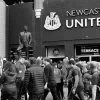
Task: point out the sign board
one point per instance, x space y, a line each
52 22
87 50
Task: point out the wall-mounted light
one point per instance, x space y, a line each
38 6
38 13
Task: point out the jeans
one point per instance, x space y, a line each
60 90
69 87
35 96
7 95
53 92
20 84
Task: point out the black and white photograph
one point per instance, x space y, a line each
49 49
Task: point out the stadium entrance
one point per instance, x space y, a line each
56 53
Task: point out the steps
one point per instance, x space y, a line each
13 53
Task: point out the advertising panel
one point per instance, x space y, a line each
87 50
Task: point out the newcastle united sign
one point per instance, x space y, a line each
52 22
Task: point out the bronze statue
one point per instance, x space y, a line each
25 39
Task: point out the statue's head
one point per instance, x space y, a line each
25 28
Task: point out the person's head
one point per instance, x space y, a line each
65 62
39 62
9 67
51 61
60 64
4 62
71 61
93 66
98 63
76 59
84 69
22 60
80 66
46 60
25 28
32 60
27 64
55 64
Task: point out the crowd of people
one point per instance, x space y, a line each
34 78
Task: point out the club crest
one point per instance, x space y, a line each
52 22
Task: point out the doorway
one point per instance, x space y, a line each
57 59
84 58
95 58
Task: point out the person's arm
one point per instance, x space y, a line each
70 75
44 77
17 69
94 82
76 81
64 72
94 89
76 76
30 38
46 71
26 81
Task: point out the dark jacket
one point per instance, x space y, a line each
49 72
8 79
34 80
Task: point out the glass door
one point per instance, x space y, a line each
95 58
84 58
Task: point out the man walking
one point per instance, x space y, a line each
76 76
21 68
34 80
51 83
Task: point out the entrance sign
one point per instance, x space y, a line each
83 22
52 22
81 12
87 50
